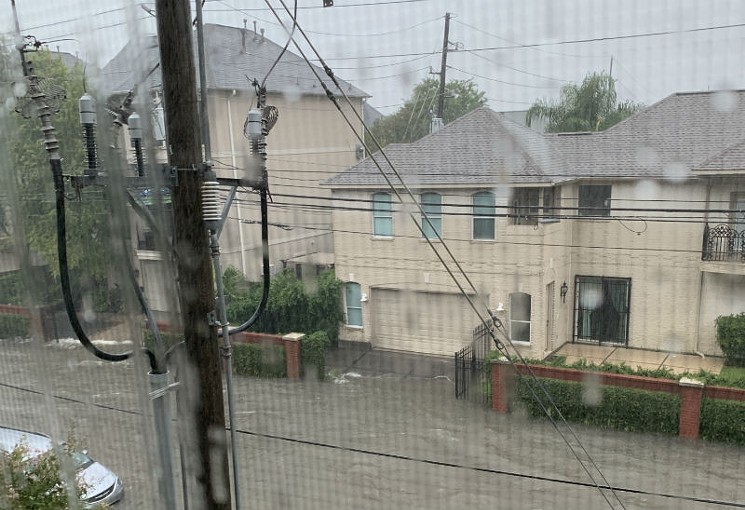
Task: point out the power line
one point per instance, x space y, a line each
396 456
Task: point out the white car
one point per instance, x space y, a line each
101 485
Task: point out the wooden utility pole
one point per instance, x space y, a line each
443 68
201 386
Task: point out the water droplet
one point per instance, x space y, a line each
675 171
592 390
724 101
591 298
20 88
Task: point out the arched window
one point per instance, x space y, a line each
432 207
484 208
382 215
353 303
520 317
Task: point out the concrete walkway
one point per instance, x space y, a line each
639 358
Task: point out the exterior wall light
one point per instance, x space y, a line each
563 292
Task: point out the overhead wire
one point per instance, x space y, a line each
331 97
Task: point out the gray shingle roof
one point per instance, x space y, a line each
481 148
682 132
666 139
730 159
228 65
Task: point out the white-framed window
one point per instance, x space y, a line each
382 215
353 303
432 207
520 317
484 209
594 199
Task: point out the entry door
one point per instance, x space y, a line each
549 316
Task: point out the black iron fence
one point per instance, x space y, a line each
472 370
723 243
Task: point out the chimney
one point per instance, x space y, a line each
243 36
262 35
255 31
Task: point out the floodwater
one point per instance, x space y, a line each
365 442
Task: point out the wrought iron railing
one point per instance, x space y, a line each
723 243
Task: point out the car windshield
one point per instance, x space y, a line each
81 460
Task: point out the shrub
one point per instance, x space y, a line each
723 420
289 307
266 361
34 483
731 337
619 408
313 354
14 326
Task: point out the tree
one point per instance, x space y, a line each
591 106
412 120
36 482
87 215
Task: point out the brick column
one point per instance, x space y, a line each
691 393
500 374
292 342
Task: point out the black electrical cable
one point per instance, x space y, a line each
265 264
59 192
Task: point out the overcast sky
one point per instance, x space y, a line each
385 47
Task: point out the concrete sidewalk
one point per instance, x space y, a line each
639 358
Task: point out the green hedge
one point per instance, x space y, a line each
620 408
266 361
731 337
14 326
723 420
313 354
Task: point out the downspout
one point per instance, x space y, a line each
701 275
238 209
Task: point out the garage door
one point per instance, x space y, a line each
424 322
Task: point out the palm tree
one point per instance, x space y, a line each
592 106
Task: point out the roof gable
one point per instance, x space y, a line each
480 148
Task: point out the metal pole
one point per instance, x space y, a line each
159 389
443 68
227 353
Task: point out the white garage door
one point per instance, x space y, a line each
424 322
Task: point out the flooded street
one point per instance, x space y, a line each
364 442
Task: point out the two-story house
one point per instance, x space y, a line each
581 237
310 142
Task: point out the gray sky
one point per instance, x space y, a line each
385 47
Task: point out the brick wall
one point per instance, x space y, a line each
691 392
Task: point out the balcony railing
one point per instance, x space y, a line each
723 244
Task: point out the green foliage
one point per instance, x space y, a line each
313 354
266 361
88 228
731 337
289 308
14 326
723 420
618 408
591 106
34 483
11 288
412 120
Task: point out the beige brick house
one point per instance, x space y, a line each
629 236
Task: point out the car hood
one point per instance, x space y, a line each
96 479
